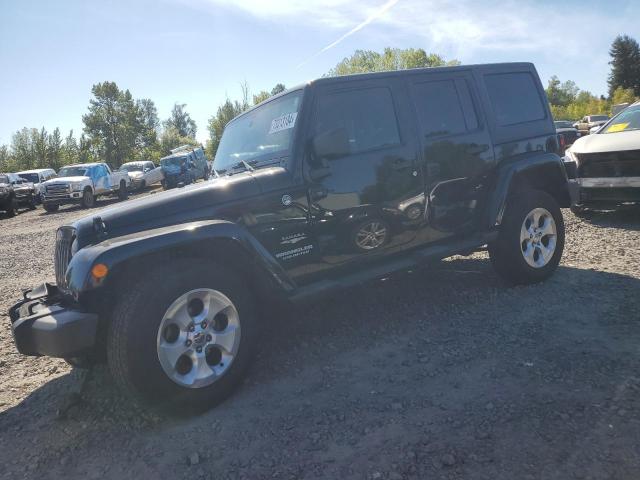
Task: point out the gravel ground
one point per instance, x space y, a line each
438 373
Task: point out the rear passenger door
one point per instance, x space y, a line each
456 152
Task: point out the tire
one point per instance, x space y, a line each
143 185
88 199
123 193
506 252
50 208
134 339
32 203
12 208
370 235
165 185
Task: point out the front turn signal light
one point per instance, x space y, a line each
99 271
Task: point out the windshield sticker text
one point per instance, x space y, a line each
284 122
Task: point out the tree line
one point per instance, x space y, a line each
568 102
119 128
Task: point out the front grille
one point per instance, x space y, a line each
62 255
57 188
609 164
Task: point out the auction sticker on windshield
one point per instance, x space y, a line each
284 122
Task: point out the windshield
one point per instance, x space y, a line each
4 179
72 172
131 167
30 177
598 118
627 120
563 124
262 134
172 161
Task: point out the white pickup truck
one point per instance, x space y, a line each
82 184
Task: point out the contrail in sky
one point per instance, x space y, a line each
355 29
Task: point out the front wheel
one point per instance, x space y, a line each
50 207
183 336
123 193
12 209
32 203
88 199
531 239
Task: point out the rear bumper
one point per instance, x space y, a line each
44 324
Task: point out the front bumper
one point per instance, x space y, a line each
44 324
608 190
64 199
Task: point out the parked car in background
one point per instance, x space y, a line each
568 131
185 165
142 174
172 289
16 192
38 177
82 184
607 163
590 121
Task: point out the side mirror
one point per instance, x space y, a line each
331 144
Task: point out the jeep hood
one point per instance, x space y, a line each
607 142
212 199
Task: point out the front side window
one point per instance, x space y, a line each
367 115
515 98
261 135
627 120
439 108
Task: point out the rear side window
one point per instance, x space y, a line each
515 98
367 115
439 107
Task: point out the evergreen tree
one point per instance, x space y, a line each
625 65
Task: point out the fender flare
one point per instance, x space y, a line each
117 252
543 171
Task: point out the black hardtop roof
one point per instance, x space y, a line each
486 67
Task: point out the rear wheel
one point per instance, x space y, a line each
531 239
183 336
88 199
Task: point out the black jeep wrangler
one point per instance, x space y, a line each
321 187
16 192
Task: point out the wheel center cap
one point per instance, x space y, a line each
199 339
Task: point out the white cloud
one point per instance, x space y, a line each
457 29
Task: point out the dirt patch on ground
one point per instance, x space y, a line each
438 373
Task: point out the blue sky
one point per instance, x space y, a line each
198 51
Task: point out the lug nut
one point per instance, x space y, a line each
203 325
199 349
188 343
209 337
192 327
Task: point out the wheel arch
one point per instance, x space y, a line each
538 171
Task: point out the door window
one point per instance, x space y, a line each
367 115
439 105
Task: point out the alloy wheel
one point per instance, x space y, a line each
538 237
198 338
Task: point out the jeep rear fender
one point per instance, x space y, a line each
537 170
202 239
